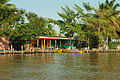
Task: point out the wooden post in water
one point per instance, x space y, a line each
4 51
22 49
11 48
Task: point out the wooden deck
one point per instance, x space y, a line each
57 51
29 52
101 51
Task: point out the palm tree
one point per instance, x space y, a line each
103 21
68 22
50 30
109 5
112 14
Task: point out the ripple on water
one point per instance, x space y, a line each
60 67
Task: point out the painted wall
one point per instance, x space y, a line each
64 43
58 43
52 43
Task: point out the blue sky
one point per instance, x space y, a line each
49 8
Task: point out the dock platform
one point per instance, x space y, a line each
59 51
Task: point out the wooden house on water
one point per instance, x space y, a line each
52 42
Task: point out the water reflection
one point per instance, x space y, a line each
60 66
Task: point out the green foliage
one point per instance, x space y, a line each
90 23
103 21
39 25
87 6
35 26
7 20
113 45
13 24
2 2
112 18
68 24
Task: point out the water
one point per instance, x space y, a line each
60 66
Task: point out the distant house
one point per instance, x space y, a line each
47 42
4 43
62 42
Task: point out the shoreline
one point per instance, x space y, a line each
102 51
58 51
28 52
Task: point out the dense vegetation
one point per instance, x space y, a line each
20 25
97 26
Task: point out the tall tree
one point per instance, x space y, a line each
89 23
8 13
104 21
39 25
68 23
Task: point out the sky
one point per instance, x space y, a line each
49 8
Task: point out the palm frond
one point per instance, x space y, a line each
116 6
112 3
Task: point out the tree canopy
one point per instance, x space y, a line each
91 23
94 25
19 25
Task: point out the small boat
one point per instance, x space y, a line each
70 51
60 51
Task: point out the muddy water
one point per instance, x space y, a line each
60 66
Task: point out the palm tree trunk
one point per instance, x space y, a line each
88 44
99 45
106 43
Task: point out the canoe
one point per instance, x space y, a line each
60 51
69 51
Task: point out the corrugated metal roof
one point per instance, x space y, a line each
54 37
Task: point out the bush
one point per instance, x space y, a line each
113 45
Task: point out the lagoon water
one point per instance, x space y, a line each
60 66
